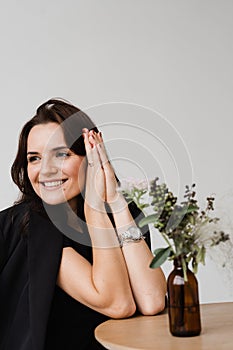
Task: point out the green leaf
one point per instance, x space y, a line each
201 255
148 220
161 255
191 208
194 266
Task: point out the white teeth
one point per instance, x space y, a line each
53 183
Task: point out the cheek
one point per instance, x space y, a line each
82 170
78 173
82 177
32 173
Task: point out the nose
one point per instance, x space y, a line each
48 166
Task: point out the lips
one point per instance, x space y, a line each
52 184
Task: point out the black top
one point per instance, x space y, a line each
35 313
71 324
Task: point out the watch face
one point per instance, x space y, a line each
132 234
135 232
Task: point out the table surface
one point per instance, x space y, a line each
152 332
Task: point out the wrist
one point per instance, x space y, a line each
94 209
119 204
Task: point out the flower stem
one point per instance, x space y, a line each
184 267
168 242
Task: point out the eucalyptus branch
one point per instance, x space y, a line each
186 225
168 242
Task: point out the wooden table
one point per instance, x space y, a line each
152 332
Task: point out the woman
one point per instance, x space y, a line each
72 255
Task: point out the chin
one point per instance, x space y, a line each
53 200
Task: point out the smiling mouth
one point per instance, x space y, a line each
52 184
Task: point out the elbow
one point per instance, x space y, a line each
152 307
123 309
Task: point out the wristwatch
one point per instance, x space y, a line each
132 234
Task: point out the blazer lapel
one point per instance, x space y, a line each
45 244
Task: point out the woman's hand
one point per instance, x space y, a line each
95 193
111 194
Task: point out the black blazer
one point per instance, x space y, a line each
28 274
30 262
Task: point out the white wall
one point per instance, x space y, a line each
166 68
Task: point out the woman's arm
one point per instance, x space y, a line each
104 285
148 285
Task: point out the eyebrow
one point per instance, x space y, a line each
53 149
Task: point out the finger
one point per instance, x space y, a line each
103 156
97 141
88 147
90 143
102 150
86 141
92 140
99 137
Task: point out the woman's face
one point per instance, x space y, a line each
56 173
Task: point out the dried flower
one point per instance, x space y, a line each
188 230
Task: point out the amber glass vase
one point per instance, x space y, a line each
183 302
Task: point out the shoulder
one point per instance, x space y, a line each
14 211
10 224
12 216
15 208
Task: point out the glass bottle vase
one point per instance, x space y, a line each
183 302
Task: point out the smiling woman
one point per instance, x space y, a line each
56 173
55 290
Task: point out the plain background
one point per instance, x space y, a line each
156 76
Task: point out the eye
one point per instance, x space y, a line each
62 154
33 159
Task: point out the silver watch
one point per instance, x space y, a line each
132 234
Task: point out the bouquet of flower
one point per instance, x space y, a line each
187 230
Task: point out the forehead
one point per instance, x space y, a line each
45 136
